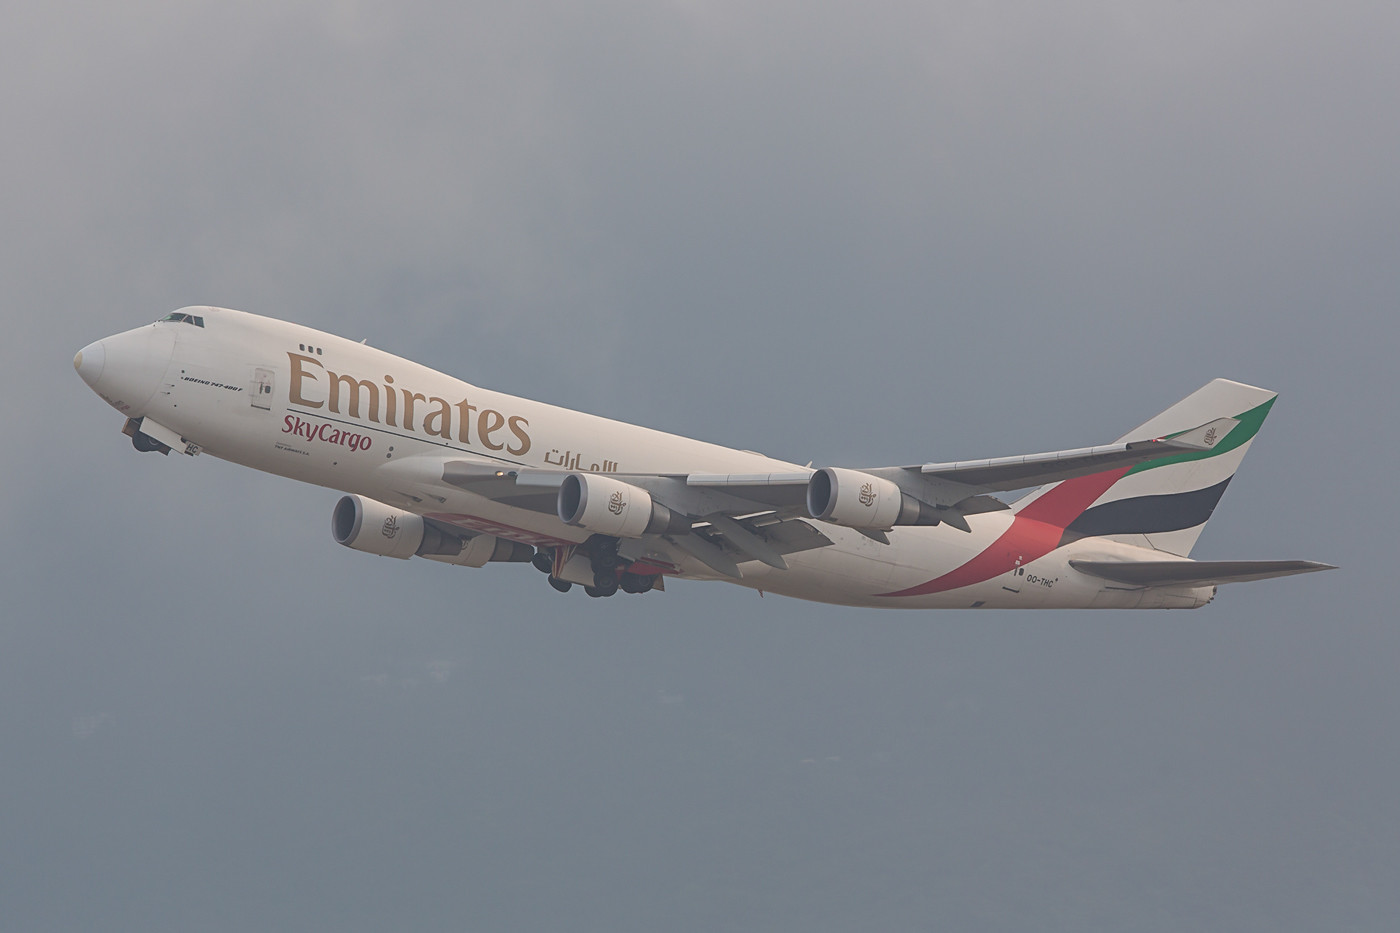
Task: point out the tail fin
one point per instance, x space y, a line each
1164 504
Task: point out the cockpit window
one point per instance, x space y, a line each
182 318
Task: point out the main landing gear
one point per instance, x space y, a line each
610 572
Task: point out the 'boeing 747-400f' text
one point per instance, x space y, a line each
439 468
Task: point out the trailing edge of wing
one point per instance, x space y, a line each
748 542
1194 572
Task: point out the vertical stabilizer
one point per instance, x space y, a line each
1164 504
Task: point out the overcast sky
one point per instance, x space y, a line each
854 234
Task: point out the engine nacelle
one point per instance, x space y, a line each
375 528
860 500
853 498
608 506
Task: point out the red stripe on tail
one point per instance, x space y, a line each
1035 531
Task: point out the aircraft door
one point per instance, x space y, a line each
263 381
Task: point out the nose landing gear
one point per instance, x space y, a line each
143 442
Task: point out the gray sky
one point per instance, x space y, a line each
853 235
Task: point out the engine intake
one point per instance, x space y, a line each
608 506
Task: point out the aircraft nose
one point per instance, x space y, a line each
89 362
126 369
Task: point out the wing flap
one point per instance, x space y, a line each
751 543
1194 572
708 553
761 539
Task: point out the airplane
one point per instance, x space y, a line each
434 467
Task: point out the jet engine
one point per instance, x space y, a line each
608 506
375 528
861 500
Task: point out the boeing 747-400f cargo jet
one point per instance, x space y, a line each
439 468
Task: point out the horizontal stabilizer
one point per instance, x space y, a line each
1194 572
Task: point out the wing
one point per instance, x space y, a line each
717 526
933 493
1005 473
723 520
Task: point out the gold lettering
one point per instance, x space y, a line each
517 427
354 385
465 434
361 398
488 421
408 399
298 373
443 416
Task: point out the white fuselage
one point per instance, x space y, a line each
311 406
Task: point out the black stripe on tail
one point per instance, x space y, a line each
1147 515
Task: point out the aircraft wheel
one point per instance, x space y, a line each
599 591
562 586
543 561
147 445
636 583
602 551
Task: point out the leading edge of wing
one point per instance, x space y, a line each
696 494
1002 473
1194 572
